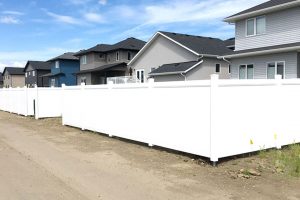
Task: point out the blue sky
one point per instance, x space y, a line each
40 29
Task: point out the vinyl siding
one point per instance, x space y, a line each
281 28
298 66
161 51
260 64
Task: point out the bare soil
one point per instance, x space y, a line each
41 159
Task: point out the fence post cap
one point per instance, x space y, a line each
278 77
82 84
214 76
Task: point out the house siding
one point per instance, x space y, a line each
161 51
281 28
298 66
260 64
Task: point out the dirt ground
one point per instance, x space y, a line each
45 160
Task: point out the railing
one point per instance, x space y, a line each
123 80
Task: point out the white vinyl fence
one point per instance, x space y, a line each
38 102
214 119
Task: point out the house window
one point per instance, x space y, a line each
129 56
57 64
83 60
140 75
218 68
83 80
33 73
256 26
117 56
52 84
229 69
275 68
26 74
246 72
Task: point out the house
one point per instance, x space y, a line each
103 61
178 57
1 80
63 70
13 77
267 41
34 71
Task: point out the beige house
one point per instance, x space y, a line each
13 77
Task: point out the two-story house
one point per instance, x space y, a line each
34 71
181 57
267 41
103 61
63 70
1 80
13 77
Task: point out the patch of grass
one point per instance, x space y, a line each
286 160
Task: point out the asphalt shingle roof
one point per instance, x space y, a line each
38 65
104 67
174 67
14 70
128 44
230 42
199 44
65 56
267 4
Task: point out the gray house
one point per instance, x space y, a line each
178 57
13 77
267 41
1 80
104 60
34 73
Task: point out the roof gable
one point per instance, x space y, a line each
65 56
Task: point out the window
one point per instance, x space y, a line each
117 56
57 64
129 56
140 75
33 73
229 69
256 26
83 60
83 80
246 72
275 68
26 74
218 68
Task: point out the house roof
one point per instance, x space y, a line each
230 42
14 70
65 56
53 74
128 44
269 6
38 65
175 68
265 50
102 68
198 45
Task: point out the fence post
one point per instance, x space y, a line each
63 86
109 87
277 138
36 102
213 118
10 101
150 87
26 100
82 87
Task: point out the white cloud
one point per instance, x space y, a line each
102 2
93 17
9 20
63 18
79 2
12 12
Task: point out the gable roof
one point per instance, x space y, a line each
14 70
175 68
230 42
198 45
267 7
128 44
38 65
65 56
